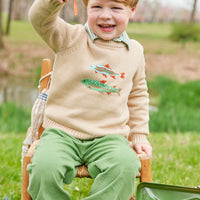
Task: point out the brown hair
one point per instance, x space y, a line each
130 3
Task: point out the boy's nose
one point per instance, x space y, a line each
105 14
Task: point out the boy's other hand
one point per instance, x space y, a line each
146 147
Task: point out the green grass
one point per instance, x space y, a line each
10 167
22 32
151 36
175 161
178 105
155 38
176 158
13 118
149 30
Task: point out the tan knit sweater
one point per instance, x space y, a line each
97 87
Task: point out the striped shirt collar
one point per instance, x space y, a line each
122 38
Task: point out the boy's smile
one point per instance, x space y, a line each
108 19
107 27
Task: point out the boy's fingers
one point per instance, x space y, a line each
144 147
62 1
148 150
138 149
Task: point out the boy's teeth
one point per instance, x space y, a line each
106 25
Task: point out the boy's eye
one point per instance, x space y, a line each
96 6
116 8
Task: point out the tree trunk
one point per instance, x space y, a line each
9 17
192 18
1 35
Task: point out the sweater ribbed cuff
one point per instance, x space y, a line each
139 138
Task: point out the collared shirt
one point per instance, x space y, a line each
122 38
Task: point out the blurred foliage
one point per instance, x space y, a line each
184 32
14 118
178 105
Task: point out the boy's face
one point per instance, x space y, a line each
108 19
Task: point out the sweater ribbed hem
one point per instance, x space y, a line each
74 133
77 134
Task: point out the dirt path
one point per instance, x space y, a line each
22 61
182 66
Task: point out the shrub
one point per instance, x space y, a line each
178 106
183 32
14 118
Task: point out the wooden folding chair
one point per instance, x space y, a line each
144 175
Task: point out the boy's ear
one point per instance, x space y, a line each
132 11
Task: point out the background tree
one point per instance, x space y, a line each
1 32
9 17
192 18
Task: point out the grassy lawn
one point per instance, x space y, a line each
176 158
22 32
175 161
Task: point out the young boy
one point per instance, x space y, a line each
98 87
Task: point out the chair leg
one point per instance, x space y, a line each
145 173
25 179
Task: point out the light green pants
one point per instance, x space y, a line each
111 162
